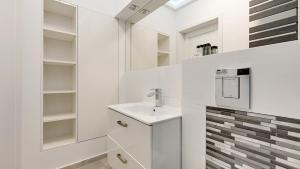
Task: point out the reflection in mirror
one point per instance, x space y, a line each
170 34
183 29
149 48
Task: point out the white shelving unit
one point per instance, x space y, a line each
59 74
163 50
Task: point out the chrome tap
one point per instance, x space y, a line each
158 97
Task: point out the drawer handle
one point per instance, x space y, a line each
122 123
124 161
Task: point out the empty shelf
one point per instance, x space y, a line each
59 7
59 117
160 52
57 142
59 34
59 62
59 91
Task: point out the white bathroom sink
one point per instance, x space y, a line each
146 112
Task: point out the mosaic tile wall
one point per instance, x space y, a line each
272 21
244 140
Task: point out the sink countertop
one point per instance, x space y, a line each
144 113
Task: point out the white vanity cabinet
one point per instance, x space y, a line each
119 159
136 145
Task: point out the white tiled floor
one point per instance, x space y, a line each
100 164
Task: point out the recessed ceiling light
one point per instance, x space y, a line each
144 12
176 4
133 7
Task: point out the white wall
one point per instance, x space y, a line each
162 20
234 13
108 7
275 90
135 85
7 90
30 52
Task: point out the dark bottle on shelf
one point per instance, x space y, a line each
204 51
214 49
199 51
207 49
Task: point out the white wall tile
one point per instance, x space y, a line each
134 86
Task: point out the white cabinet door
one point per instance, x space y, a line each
134 137
97 72
118 158
143 48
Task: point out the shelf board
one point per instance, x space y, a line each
59 7
59 91
160 52
162 36
59 62
59 117
57 142
59 34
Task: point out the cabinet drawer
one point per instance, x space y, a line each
133 136
119 159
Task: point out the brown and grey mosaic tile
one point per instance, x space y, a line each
246 140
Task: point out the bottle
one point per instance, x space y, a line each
199 51
208 48
203 49
214 49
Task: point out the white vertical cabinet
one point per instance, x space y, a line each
97 72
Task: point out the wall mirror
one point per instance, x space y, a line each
182 29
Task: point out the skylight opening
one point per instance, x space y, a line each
176 4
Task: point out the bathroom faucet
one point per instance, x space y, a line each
158 97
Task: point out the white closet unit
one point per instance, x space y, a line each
98 72
59 80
